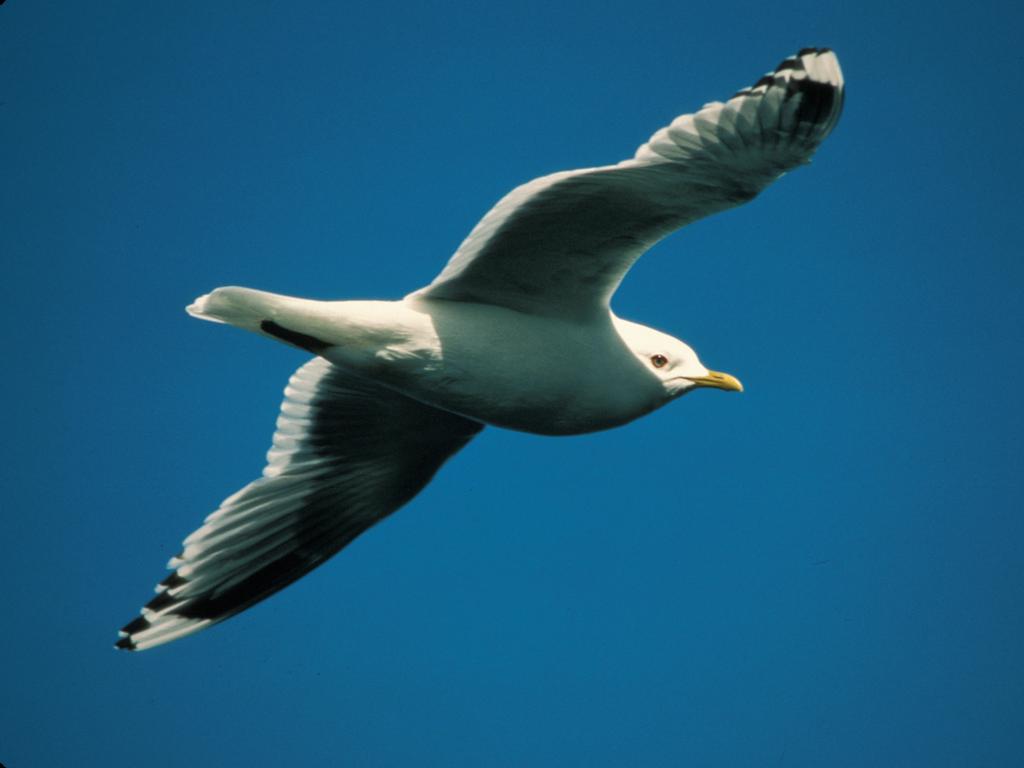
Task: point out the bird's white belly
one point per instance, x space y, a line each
508 369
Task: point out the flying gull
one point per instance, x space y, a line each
516 331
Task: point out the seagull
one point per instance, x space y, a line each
515 332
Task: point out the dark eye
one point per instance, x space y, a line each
659 361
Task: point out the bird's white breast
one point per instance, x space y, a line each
502 367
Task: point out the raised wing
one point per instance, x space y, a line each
346 454
561 244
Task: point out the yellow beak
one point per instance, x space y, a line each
718 381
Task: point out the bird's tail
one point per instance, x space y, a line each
285 318
241 307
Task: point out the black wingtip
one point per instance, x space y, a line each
818 100
133 627
172 581
161 601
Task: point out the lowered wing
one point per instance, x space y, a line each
346 454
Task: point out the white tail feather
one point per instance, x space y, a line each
241 307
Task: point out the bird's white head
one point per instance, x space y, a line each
671 361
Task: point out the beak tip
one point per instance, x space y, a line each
717 380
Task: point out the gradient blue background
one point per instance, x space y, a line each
824 571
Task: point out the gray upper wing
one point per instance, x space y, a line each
561 244
347 453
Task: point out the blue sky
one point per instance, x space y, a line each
825 570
